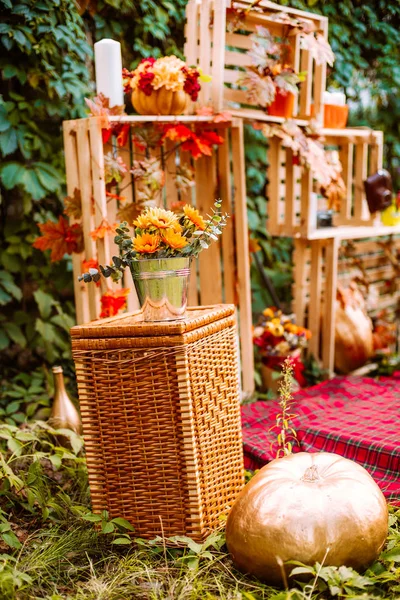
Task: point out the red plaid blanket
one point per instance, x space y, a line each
356 417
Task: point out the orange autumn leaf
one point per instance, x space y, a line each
113 301
101 231
61 238
254 246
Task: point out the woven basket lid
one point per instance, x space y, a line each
132 324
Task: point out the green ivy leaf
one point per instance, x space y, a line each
45 303
12 174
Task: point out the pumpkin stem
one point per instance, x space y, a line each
311 474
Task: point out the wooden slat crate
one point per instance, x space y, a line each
322 265
222 54
222 273
292 201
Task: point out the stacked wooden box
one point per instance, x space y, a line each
292 206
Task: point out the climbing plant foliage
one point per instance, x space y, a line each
46 61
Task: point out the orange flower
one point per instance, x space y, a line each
174 240
112 302
146 243
194 216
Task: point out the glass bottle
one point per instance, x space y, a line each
63 413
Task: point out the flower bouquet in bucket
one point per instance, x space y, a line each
159 255
277 337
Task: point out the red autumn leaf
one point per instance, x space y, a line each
210 138
123 134
112 302
61 238
91 263
179 133
106 134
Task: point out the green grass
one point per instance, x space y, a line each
52 547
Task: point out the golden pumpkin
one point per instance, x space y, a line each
354 343
307 507
160 102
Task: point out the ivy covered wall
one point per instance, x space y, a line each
47 70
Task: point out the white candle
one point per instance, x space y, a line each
108 63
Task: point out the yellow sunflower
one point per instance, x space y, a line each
147 243
142 222
174 240
161 218
194 216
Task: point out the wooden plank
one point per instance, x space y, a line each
290 183
209 260
376 154
307 201
72 175
237 40
205 49
218 56
319 81
237 59
299 258
85 185
294 42
242 257
191 37
360 174
272 7
346 158
331 270
314 307
170 173
273 184
99 188
306 64
228 236
238 96
232 75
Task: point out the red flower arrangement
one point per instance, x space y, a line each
169 72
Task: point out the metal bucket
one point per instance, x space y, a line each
162 287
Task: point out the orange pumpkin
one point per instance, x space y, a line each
160 102
307 507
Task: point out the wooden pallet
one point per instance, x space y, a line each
222 54
320 265
221 274
293 203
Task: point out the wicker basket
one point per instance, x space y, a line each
161 419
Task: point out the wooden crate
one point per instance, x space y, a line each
221 273
320 265
161 419
222 54
292 201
